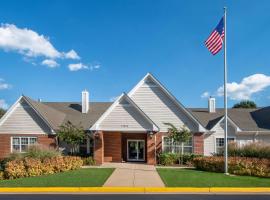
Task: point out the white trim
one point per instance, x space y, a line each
110 109
218 137
230 121
192 144
135 140
148 75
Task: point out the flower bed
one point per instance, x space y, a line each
236 165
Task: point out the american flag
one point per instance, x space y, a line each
215 40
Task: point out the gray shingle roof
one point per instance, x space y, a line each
246 119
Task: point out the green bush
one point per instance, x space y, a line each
88 161
236 165
176 159
40 152
251 150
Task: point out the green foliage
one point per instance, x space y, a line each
169 159
254 149
2 112
178 135
72 135
245 104
89 161
37 151
236 165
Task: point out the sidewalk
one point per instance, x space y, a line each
133 175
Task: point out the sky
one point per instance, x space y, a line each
54 49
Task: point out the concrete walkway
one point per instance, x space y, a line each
133 175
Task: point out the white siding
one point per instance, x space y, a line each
23 120
160 108
263 138
125 117
210 139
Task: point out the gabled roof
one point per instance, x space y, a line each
123 97
246 119
172 97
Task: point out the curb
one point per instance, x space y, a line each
138 190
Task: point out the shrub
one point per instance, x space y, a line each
41 152
88 161
35 166
15 169
172 158
236 165
2 175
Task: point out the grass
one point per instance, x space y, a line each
92 177
194 178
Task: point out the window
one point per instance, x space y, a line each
21 144
168 146
220 144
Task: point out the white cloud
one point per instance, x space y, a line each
112 99
3 104
50 63
72 55
205 95
3 85
246 88
93 67
77 66
26 42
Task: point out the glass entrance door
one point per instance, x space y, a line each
135 150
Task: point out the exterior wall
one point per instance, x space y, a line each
99 148
160 108
198 143
210 139
24 120
112 146
125 117
5 142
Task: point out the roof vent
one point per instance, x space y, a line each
85 101
212 105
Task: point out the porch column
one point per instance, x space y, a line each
87 144
151 160
99 148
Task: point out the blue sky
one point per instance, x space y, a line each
54 49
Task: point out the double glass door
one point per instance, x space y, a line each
135 150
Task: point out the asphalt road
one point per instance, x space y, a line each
132 197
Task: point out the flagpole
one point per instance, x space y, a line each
225 97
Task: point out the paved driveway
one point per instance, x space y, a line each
133 175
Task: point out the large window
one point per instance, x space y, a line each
21 144
220 144
169 146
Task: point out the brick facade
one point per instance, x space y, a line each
99 148
198 143
5 142
112 147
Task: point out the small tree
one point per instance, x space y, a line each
2 112
245 104
181 135
72 135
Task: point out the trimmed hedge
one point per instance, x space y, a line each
28 167
236 165
168 159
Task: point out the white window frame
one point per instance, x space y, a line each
229 137
20 143
164 136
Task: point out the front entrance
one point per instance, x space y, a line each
135 150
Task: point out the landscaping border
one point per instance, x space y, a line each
138 190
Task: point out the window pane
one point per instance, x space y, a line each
16 141
24 148
187 149
15 148
33 140
24 141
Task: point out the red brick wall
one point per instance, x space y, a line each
198 144
5 142
112 147
99 148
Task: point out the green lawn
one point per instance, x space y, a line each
194 178
91 177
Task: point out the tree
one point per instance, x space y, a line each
2 112
181 135
245 104
72 135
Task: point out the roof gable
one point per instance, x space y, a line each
150 81
124 115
